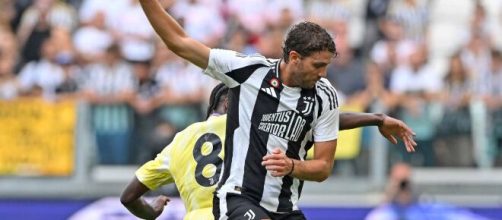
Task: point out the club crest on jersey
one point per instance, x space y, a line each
274 82
308 105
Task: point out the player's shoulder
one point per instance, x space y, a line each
327 92
324 85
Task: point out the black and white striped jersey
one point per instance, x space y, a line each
264 114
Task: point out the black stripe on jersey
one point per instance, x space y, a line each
309 145
319 105
216 206
331 91
254 173
329 94
285 204
231 125
242 74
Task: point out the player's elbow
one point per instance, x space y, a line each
322 177
324 172
127 199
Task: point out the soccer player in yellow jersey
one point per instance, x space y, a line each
194 160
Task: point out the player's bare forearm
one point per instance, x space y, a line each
318 169
141 209
312 170
173 35
132 199
350 120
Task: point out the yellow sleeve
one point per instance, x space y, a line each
156 173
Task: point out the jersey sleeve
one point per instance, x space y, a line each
233 68
327 126
156 173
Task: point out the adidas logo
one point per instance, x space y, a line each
270 91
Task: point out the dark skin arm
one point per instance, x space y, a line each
132 199
389 127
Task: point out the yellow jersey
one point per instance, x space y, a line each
193 160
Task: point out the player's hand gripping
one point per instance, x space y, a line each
277 163
158 204
392 127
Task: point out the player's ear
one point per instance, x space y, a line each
294 56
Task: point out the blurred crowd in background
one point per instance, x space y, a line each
437 65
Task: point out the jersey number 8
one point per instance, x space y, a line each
203 160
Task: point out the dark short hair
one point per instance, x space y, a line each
215 98
306 38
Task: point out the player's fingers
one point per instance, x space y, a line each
390 137
408 143
407 129
275 168
413 144
273 162
272 157
412 139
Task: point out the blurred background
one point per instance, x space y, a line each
88 93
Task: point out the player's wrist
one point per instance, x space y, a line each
292 167
380 119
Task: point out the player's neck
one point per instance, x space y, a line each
285 75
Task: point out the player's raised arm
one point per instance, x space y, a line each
173 34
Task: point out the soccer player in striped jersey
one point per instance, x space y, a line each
278 110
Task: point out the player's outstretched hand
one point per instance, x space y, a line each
159 203
392 127
277 163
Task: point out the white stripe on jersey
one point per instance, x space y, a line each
275 142
247 100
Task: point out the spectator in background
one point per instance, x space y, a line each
454 140
328 13
402 202
92 39
112 12
476 58
201 21
182 88
418 85
393 50
493 101
413 15
134 34
109 88
493 81
375 11
147 100
270 42
38 20
239 40
347 72
41 78
8 83
7 15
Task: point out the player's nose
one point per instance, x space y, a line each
323 73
